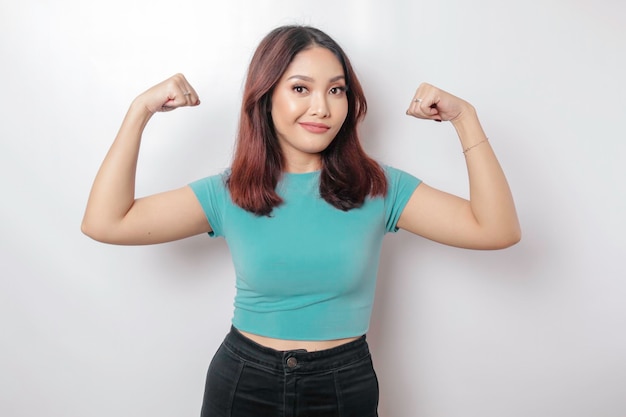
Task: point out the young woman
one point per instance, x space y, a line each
304 211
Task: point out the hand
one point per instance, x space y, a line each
168 95
431 103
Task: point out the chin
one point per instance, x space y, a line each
316 148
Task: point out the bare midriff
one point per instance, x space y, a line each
308 345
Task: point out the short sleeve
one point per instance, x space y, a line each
213 196
400 189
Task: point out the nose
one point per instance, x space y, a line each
319 105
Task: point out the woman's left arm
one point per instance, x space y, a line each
488 220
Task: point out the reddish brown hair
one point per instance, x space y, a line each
348 175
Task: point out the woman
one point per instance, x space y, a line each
303 210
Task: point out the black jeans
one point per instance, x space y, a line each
246 379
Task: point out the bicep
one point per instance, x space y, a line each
162 217
442 217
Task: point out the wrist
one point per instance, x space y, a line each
466 115
139 108
469 129
137 116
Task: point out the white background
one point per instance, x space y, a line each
537 330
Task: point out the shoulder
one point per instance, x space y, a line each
212 189
397 178
212 193
213 183
400 188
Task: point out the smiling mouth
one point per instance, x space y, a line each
315 127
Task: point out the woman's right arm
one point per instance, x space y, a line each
113 214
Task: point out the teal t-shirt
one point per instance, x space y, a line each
307 272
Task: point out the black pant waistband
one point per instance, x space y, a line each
296 360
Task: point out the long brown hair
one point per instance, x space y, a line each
348 175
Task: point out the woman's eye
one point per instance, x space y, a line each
299 89
337 90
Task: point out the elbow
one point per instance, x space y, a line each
509 238
515 235
510 241
88 230
94 231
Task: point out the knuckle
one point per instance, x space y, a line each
177 78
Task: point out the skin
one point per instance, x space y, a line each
308 108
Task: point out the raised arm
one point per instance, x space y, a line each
113 214
488 220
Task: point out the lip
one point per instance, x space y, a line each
315 127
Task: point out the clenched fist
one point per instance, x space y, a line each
168 95
432 103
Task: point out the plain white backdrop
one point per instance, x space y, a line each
537 330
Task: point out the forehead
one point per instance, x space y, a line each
315 60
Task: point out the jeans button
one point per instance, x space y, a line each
292 362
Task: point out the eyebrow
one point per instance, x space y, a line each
309 79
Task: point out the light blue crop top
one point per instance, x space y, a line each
308 272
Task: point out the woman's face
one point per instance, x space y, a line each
309 106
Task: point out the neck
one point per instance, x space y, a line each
302 166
